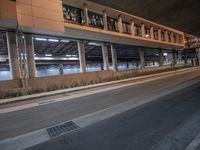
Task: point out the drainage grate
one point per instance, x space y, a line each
60 129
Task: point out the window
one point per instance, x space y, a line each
147 33
162 36
126 27
73 14
95 20
156 34
169 37
175 39
112 24
138 31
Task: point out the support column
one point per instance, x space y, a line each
161 57
199 56
120 28
172 37
82 58
114 58
105 57
30 56
166 36
105 21
174 58
13 55
132 27
85 11
185 57
61 71
159 35
143 30
142 59
152 33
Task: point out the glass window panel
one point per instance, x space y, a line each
112 24
138 31
95 20
73 14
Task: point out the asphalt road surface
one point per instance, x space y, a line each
137 129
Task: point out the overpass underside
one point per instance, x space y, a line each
84 39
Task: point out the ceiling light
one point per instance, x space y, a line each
48 55
40 39
93 43
53 40
165 54
65 41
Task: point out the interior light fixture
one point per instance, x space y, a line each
65 41
165 54
93 43
53 40
40 39
48 55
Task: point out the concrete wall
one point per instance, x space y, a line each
8 15
40 14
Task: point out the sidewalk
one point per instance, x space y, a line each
46 94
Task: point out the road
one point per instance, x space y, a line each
24 121
137 129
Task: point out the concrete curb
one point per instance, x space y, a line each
37 137
181 137
86 93
22 98
195 144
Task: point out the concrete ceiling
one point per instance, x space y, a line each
183 15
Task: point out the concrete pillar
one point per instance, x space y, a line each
199 56
174 57
114 58
85 11
30 56
132 27
13 55
161 58
82 58
105 57
172 37
143 30
61 69
159 35
185 57
120 27
142 59
105 21
152 33
166 36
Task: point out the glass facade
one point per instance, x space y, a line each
73 14
126 27
95 20
112 24
138 31
156 34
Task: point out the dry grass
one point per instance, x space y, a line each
28 91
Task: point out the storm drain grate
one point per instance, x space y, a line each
60 129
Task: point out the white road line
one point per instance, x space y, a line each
26 106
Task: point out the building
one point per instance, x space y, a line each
53 37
